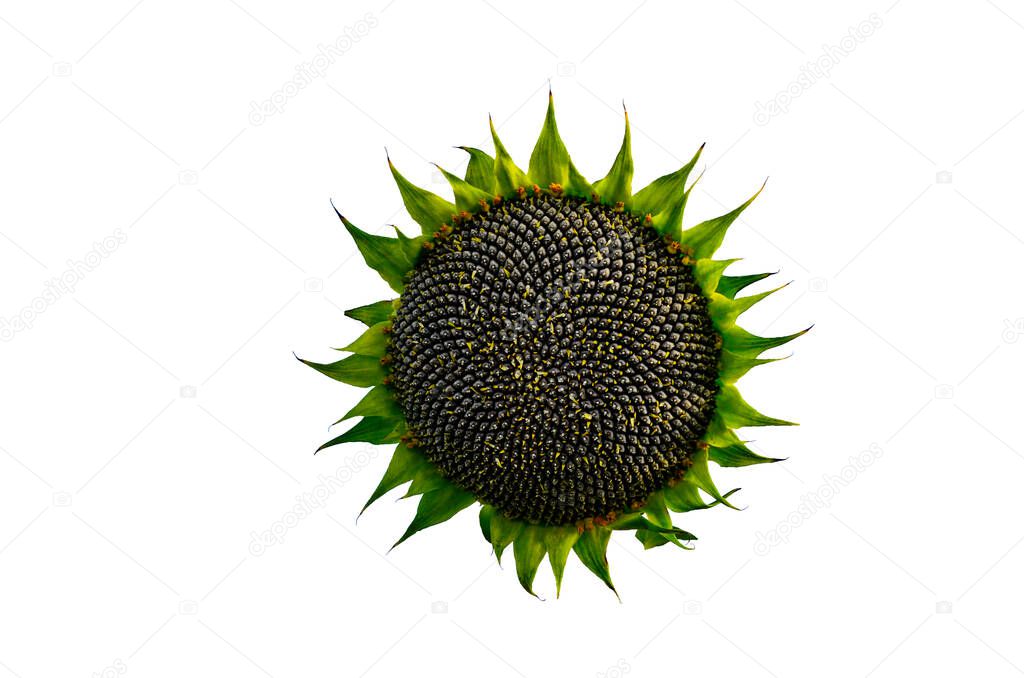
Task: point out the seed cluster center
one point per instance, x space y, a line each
555 358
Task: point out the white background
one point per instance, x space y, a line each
154 417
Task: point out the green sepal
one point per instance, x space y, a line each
428 210
617 185
486 515
374 313
706 237
737 413
635 521
737 454
392 258
436 507
700 475
374 430
684 497
467 196
550 162
665 199
355 370
592 549
426 480
558 541
508 178
732 366
404 465
378 402
373 342
741 342
528 549
730 285
503 531
725 311
480 171
709 273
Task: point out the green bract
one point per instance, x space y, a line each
562 352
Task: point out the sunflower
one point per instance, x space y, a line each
561 352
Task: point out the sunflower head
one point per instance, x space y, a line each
561 352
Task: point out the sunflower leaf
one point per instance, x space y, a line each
725 310
428 210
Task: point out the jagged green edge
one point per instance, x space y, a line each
660 205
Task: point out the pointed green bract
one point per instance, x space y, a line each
550 162
709 273
503 531
665 199
741 342
355 370
729 285
725 310
375 430
700 475
436 507
373 342
404 465
737 455
592 550
468 197
428 210
732 366
371 314
508 177
558 541
617 185
486 515
528 549
706 237
480 171
736 413
378 402
392 258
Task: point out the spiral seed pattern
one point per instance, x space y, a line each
555 358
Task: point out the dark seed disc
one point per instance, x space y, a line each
555 359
